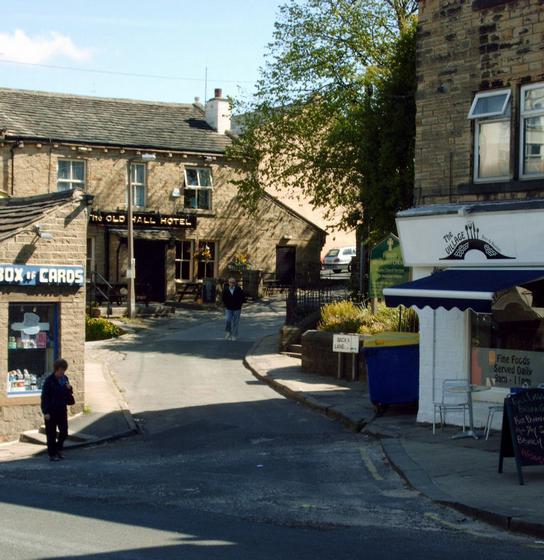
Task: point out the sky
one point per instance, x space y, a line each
58 46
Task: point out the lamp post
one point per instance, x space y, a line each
131 269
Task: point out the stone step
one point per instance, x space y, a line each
37 437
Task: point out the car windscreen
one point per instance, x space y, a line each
332 253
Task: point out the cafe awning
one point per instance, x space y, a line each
460 288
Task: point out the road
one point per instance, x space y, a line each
225 468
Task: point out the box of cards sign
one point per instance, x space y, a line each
36 275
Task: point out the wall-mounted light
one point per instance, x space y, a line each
176 192
41 233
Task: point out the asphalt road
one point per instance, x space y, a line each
225 469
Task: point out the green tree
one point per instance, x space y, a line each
333 114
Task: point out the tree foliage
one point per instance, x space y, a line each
333 114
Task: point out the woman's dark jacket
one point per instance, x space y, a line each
233 301
55 397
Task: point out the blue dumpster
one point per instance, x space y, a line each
392 362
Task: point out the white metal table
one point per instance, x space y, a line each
469 388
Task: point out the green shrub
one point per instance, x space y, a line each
346 316
100 329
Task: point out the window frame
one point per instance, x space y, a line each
90 260
191 259
476 150
198 245
491 93
523 114
198 187
133 184
74 183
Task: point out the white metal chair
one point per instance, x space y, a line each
452 401
493 409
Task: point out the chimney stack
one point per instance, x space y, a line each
218 112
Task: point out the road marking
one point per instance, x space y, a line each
456 527
369 464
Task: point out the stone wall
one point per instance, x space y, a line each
67 224
227 223
465 47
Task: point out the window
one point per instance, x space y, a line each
205 256
183 260
137 181
90 256
198 188
70 174
507 346
491 112
489 104
532 131
32 346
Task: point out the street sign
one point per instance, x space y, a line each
345 343
386 266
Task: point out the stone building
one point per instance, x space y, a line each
42 301
474 239
188 223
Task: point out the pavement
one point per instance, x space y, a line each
459 473
106 416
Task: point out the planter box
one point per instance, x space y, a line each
318 357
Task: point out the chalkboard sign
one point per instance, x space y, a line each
522 434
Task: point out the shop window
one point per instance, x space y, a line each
198 188
70 174
507 346
532 131
183 260
205 257
32 346
138 183
491 112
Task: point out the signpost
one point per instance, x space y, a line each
346 344
386 266
522 435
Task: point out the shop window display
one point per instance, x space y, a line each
32 346
507 345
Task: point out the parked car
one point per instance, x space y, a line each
339 259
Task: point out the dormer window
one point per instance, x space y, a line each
198 188
491 113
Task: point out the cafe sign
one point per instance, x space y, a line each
507 368
38 275
143 220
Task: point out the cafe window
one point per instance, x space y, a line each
183 260
70 174
507 345
205 256
198 188
32 347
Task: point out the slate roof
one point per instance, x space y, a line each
105 121
21 213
